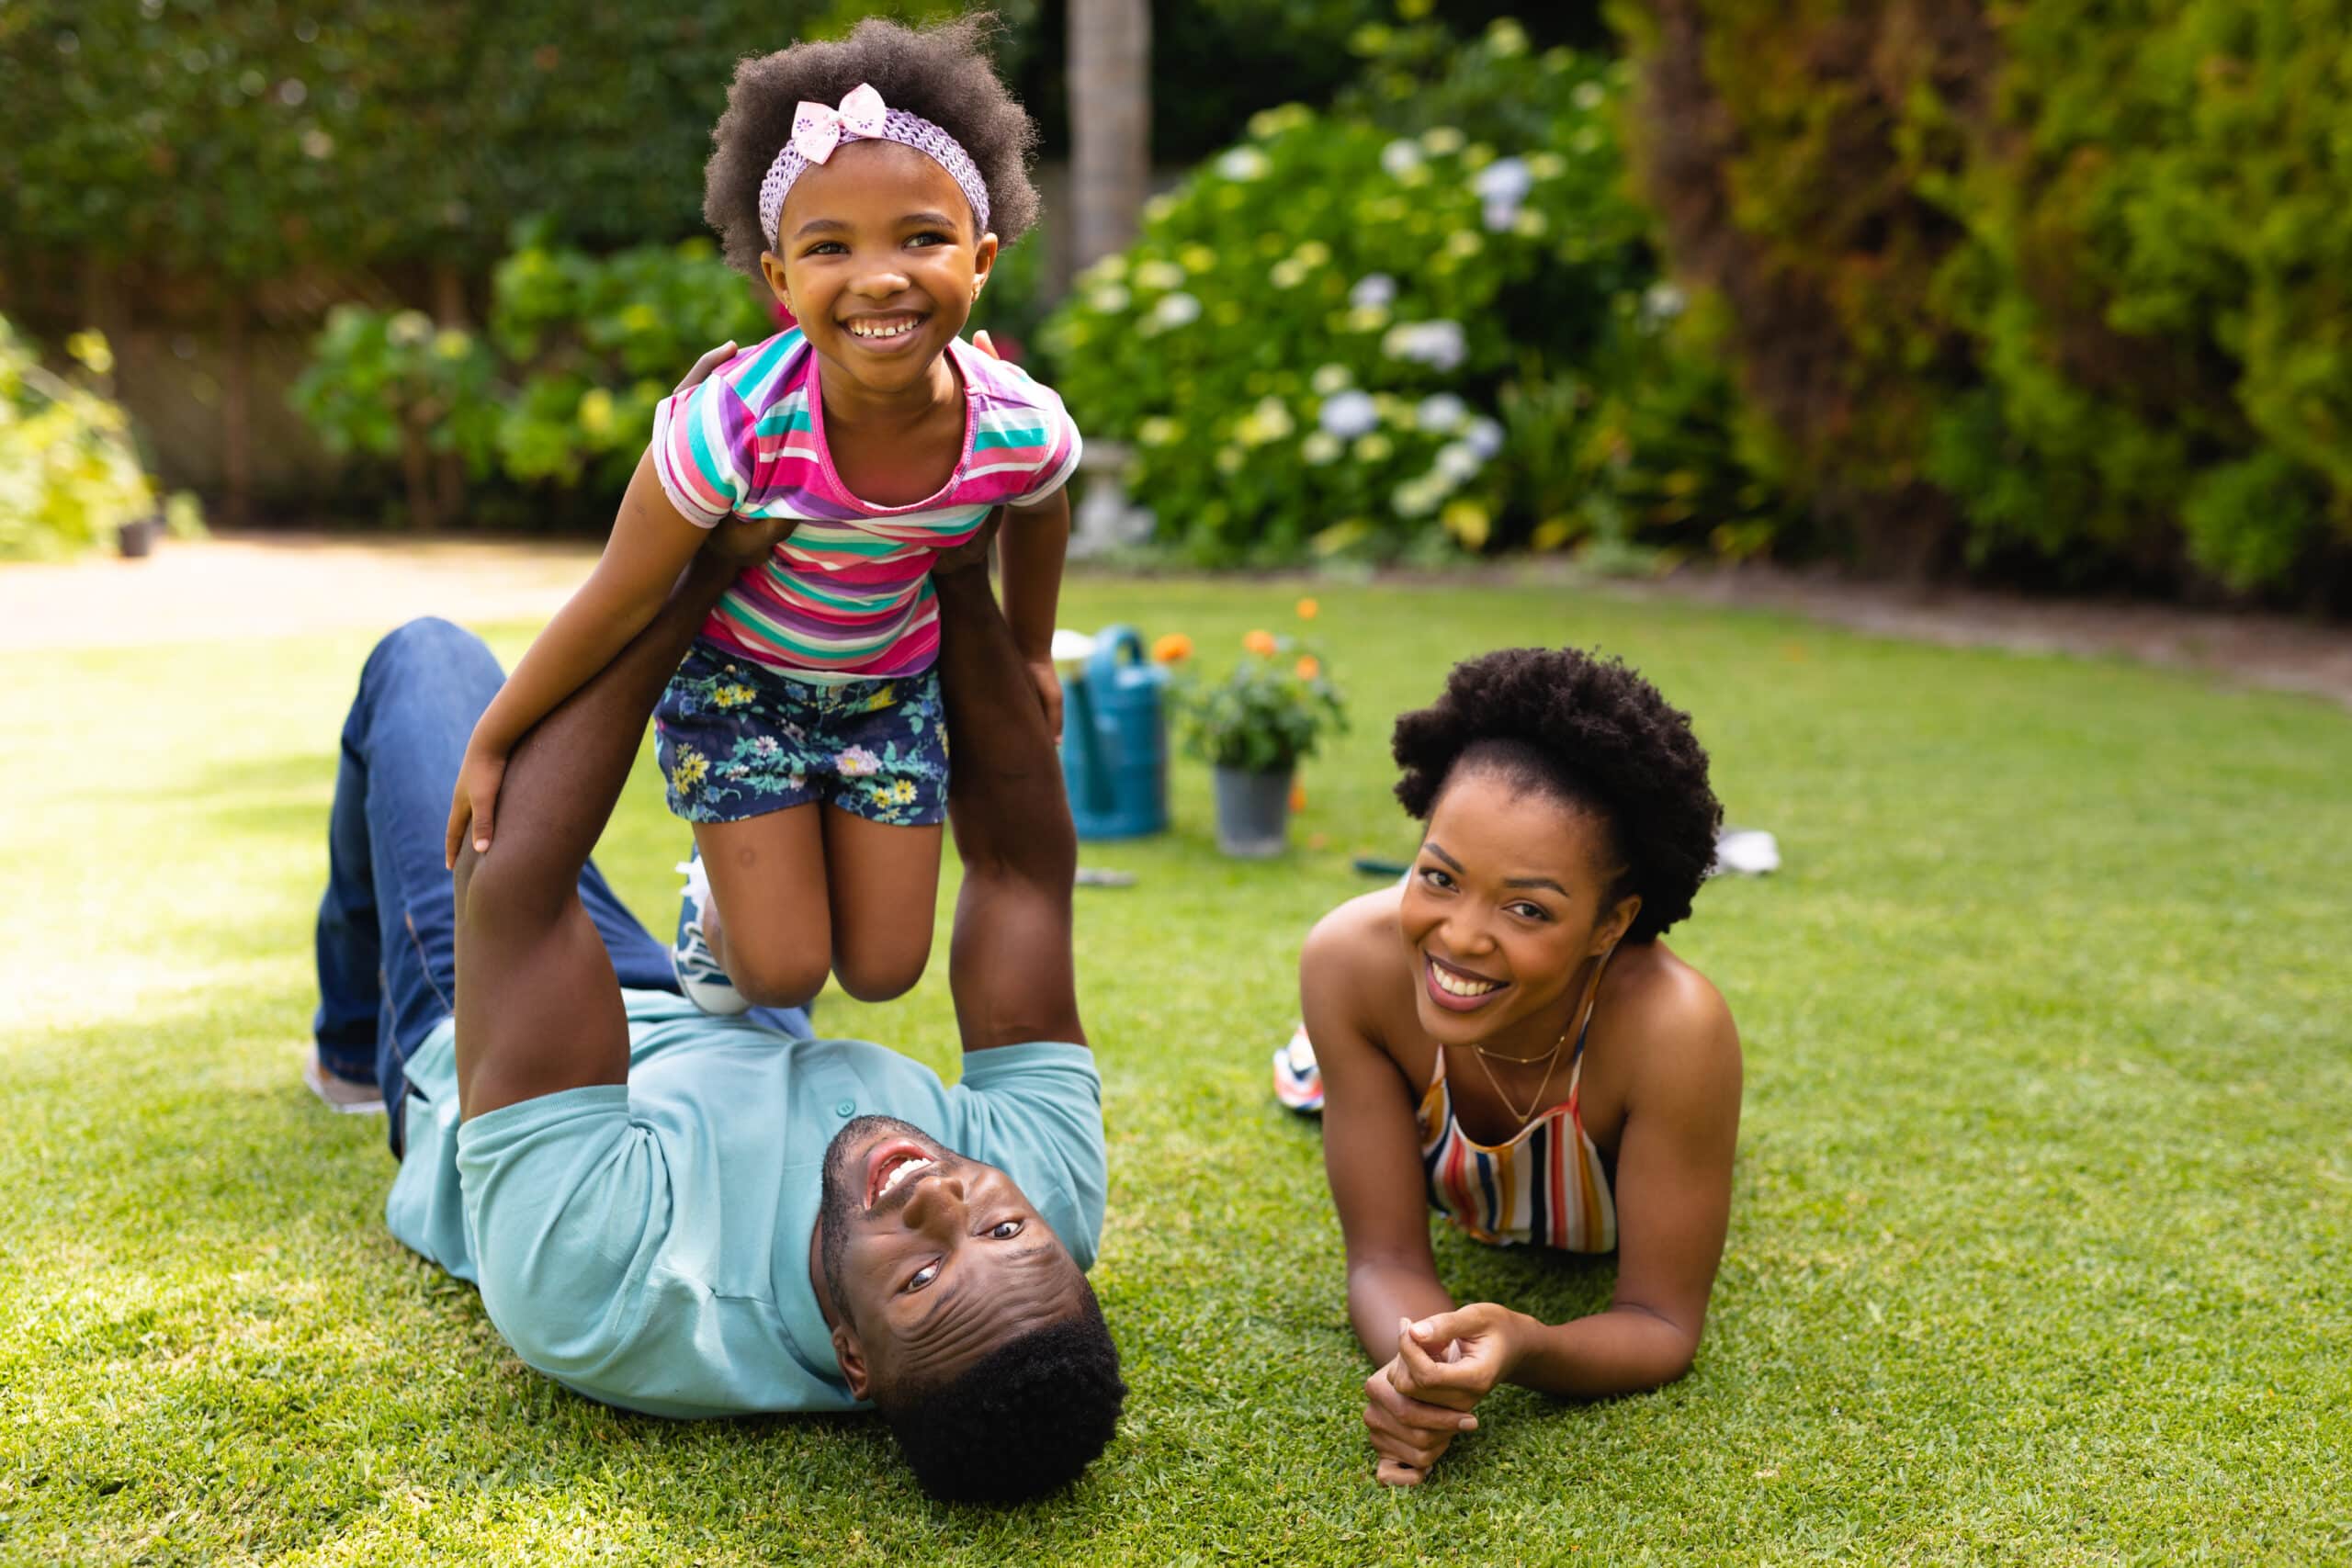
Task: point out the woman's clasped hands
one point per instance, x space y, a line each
1418 1403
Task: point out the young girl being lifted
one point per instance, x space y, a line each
869 183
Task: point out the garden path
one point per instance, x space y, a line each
235 587
241 586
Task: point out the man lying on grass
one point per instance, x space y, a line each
691 1215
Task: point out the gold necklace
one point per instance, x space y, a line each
1478 1049
1518 1116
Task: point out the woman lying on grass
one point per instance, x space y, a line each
1505 1039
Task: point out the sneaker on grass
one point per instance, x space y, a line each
700 978
347 1096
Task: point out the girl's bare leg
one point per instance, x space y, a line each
883 886
774 932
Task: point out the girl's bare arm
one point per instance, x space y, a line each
1031 548
651 545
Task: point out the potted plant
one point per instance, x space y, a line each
1252 727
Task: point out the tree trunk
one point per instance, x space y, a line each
417 471
449 467
1110 115
236 413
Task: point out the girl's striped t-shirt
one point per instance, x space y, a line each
848 596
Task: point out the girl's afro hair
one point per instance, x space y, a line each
940 72
1592 733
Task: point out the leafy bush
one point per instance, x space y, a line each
69 474
1312 342
391 384
2055 291
561 388
591 344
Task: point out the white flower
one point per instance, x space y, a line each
1109 299
1159 275
1374 291
1400 155
1589 95
1457 461
1176 309
1242 164
1319 448
1496 217
1661 301
1348 414
410 328
1443 139
1287 273
1440 413
1506 182
1331 379
1438 344
1484 437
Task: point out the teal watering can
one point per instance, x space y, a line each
1114 739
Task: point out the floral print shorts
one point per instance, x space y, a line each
736 740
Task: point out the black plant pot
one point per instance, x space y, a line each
136 538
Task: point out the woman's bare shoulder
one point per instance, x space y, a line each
1353 941
1689 1040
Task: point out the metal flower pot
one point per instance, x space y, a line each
1252 812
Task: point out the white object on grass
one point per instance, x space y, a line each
1750 852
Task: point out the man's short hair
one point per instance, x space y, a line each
1022 1421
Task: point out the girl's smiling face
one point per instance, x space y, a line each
879 261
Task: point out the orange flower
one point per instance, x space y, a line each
1298 797
1308 609
1309 667
1173 649
1260 642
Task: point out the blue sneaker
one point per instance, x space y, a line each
700 979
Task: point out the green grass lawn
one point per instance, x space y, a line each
2038 1250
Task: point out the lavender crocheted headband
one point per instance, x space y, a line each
817 130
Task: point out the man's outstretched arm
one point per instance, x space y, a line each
1010 966
539 1008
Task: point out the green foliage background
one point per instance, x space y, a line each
1431 319
69 474
2054 289
234 140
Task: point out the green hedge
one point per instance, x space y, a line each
2057 289
241 138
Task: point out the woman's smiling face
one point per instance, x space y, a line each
1509 895
878 261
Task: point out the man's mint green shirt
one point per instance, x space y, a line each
646 1243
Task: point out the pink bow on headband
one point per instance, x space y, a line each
818 130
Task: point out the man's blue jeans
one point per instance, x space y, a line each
387 938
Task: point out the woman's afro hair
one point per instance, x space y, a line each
940 72
1592 733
